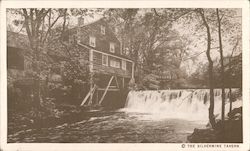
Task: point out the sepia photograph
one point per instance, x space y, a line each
125 75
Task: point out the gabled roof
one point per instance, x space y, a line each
101 20
93 22
21 41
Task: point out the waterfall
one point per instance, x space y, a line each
189 104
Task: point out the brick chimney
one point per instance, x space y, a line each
80 21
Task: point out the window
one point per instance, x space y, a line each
112 47
104 60
115 63
92 41
124 65
103 29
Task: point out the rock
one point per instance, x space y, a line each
208 125
145 141
229 131
235 113
203 135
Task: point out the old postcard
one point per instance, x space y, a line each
127 75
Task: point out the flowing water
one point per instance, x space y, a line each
165 116
188 104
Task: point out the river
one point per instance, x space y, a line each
166 116
112 127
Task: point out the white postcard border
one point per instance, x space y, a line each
123 4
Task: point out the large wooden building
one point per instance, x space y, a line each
100 49
103 51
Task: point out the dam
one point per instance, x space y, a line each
188 104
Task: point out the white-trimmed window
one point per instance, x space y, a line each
112 47
124 65
103 29
115 63
92 41
104 60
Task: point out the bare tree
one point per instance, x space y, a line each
33 20
230 73
201 12
222 66
39 24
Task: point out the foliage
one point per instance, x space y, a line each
232 75
73 70
148 37
44 28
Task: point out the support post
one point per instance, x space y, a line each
97 97
91 87
91 74
110 81
117 82
123 82
133 70
88 95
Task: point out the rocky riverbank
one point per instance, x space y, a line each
229 131
42 117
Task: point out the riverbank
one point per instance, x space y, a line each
42 117
229 131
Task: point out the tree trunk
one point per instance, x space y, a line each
230 99
222 67
33 22
210 69
230 73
